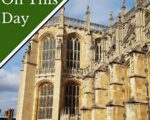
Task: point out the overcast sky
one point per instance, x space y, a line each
10 73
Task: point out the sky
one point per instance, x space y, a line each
10 73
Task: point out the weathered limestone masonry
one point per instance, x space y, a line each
115 101
78 70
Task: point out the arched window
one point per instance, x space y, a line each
48 53
98 51
73 53
45 101
72 99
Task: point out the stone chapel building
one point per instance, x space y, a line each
78 70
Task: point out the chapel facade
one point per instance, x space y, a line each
78 70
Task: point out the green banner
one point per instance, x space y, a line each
20 20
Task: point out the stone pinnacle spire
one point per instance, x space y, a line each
88 18
62 11
123 4
123 8
111 19
62 14
88 10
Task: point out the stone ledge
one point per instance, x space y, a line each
133 101
116 83
100 89
88 93
30 63
112 104
85 109
137 76
98 107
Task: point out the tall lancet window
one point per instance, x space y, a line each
73 53
98 51
72 99
48 53
45 101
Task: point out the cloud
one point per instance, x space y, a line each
8 80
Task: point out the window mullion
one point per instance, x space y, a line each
45 101
47 56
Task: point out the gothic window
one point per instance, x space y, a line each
48 53
72 99
73 53
45 101
98 51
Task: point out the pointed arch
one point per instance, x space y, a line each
98 49
45 35
72 98
45 101
73 51
47 51
74 34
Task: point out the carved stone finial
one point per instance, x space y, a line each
111 15
88 10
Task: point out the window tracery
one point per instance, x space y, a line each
45 101
48 53
73 53
98 51
72 99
